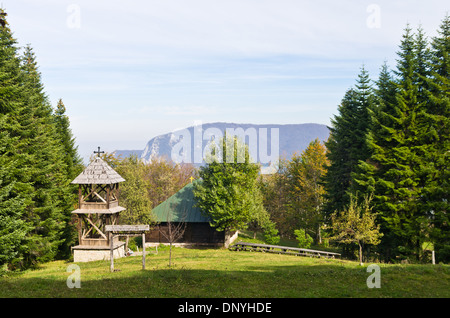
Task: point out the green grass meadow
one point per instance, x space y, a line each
221 273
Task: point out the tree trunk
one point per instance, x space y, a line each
360 254
170 255
319 236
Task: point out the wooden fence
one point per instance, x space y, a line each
265 248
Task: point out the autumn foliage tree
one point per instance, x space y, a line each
133 193
274 188
165 177
306 192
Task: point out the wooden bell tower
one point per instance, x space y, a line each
98 206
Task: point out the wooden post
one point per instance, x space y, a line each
432 258
80 229
129 230
79 196
107 196
143 250
111 252
126 244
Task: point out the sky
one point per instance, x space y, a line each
128 71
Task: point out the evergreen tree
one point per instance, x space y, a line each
72 167
10 87
14 193
52 195
380 121
397 143
385 89
73 162
347 143
436 200
422 65
338 176
35 196
365 102
12 228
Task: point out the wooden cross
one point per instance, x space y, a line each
192 178
98 152
2 21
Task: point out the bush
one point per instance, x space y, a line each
271 235
304 240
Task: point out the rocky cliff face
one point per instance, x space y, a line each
264 141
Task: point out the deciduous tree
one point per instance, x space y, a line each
228 192
134 192
306 190
356 224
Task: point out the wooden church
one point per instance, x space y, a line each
98 206
180 208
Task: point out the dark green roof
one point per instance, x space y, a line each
180 207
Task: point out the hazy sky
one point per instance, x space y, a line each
130 70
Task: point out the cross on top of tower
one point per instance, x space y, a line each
2 17
98 152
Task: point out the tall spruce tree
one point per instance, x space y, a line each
347 143
72 166
436 193
51 198
12 228
72 160
385 89
14 193
36 181
397 143
338 175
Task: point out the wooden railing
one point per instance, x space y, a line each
265 248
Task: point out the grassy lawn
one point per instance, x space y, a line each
211 273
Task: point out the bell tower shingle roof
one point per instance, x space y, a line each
98 172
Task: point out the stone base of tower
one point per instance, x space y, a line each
89 253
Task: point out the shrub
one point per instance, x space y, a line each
304 240
271 235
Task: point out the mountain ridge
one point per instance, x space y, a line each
291 138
